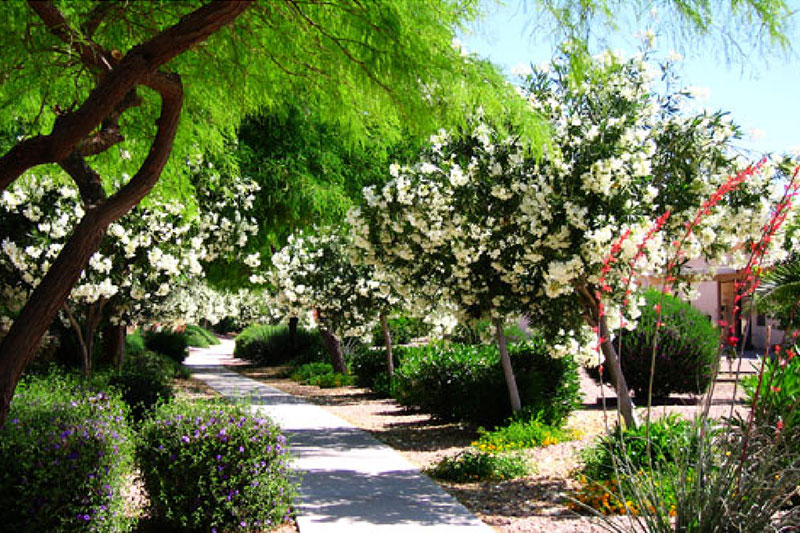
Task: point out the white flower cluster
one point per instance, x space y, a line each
482 223
318 272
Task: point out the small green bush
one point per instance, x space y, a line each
171 343
320 375
402 328
686 354
368 366
779 396
65 452
465 382
210 465
519 434
670 437
134 343
143 381
199 337
472 466
272 345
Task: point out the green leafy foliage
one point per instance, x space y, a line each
199 337
470 466
369 367
273 345
463 382
402 328
321 375
778 395
134 343
212 465
519 434
170 343
670 438
143 381
65 452
686 349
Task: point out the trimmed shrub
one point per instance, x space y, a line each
465 382
171 343
368 366
199 337
686 353
271 345
143 381
320 375
134 344
65 452
208 465
472 466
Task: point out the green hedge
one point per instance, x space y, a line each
465 382
170 343
199 337
271 345
66 451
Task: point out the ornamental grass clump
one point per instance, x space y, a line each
208 465
472 465
66 451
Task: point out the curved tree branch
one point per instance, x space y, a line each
72 127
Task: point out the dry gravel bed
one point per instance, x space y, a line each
531 504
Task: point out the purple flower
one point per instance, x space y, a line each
241 449
185 438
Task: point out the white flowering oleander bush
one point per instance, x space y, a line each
146 255
211 466
465 382
197 301
319 272
482 222
66 451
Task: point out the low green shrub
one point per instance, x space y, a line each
402 328
778 399
470 465
170 343
320 375
368 366
466 382
210 465
143 381
520 434
687 349
272 345
199 337
134 343
670 437
65 453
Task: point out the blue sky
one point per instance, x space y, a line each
763 96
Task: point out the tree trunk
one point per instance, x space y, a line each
293 335
139 66
612 362
508 372
387 338
114 344
334 350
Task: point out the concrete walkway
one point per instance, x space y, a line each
351 482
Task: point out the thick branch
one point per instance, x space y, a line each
137 64
89 183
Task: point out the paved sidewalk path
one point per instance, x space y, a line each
351 482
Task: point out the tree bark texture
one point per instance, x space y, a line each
387 339
293 335
114 344
334 347
508 371
138 67
612 362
